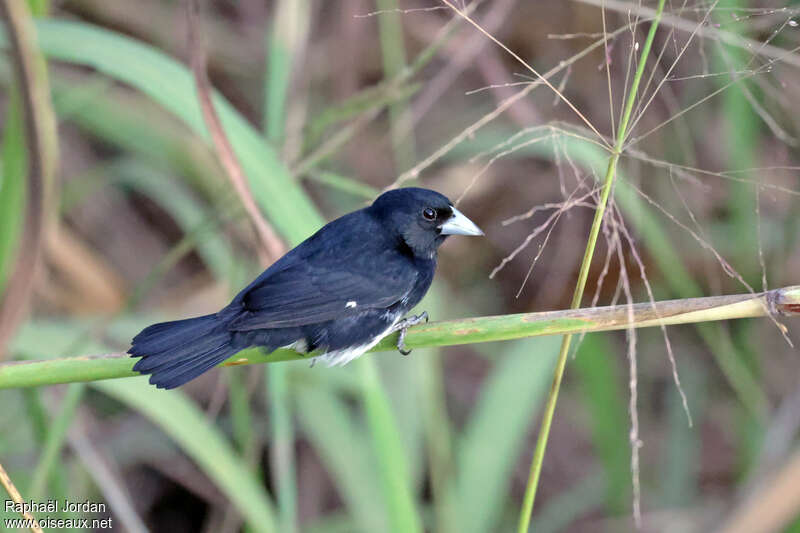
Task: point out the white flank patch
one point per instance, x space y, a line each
344 356
351 304
299 346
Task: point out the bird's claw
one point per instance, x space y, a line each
403 326
401 342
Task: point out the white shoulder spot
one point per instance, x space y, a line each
351 304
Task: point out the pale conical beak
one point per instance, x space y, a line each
458 224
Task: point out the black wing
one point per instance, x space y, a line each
307 293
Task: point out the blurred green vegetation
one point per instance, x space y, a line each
322 110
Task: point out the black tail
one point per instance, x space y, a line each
174 353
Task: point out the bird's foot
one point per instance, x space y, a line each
403 326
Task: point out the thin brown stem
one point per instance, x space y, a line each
271 247
41 158
5 480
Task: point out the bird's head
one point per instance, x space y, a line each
421 218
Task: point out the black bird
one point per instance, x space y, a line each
337 293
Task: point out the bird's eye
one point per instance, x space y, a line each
429 213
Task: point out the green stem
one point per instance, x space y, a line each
55 439
451 333
550 407
390 29
282 452
387 442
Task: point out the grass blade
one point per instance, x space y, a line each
394 471
285 40
56 435
283 456
393 52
